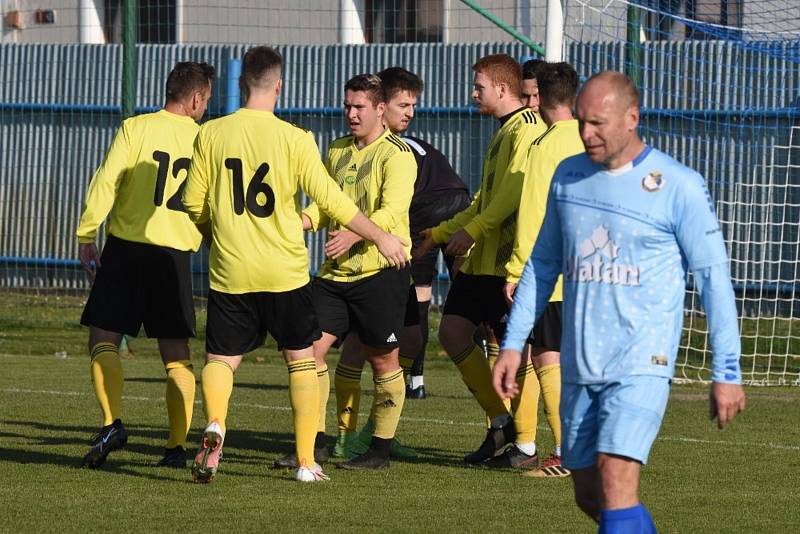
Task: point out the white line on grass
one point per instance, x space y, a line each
678 439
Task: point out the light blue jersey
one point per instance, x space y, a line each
623 240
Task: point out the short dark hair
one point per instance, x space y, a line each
370 84
531 67
396 79
501 68
187 77
258 63
558 84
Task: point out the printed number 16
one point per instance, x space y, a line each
256 186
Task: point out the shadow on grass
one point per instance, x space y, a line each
237 385
22 456
239 444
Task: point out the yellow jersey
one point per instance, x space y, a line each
380 179
560 141
140 182
491 217
245 175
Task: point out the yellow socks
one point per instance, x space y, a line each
526 404
477 376
304 398
492 352
550 379
347 383
217 384
324 384
390 394
180 401
106 371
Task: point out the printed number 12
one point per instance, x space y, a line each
181 164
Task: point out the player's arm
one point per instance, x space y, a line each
314 219
445 229
505 196
317 183
699 236
100 197
195 194
536 284
532 206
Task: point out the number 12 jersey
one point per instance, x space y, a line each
140 182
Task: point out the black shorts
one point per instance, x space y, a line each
374 307
139 283
546 333
238 324
427 213
479 298
412 308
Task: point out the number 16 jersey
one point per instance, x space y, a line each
246 170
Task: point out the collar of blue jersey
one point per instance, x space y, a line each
643 154
631 164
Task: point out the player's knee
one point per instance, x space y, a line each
383 362
411 340
450 337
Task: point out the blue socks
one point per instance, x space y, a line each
634 520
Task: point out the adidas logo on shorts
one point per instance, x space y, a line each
352 167
348 410
392 338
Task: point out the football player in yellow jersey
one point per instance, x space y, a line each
557 88
144 275
245 175
486 229
438 195
356 291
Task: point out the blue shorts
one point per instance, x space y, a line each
620 417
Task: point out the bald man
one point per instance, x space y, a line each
621 218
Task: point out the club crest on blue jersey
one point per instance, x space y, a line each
653 182
597 261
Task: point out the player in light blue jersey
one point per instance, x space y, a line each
624 222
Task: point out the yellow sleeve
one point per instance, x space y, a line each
399 173
505 196
317 184
318 219
104 185
445 229
532 207
195 195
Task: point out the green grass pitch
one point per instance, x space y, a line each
743 479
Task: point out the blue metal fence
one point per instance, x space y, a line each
722 109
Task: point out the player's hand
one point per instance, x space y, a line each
393 249
89 258
504 373
339 242
459 243
508 292
724 402
424 247
306 222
